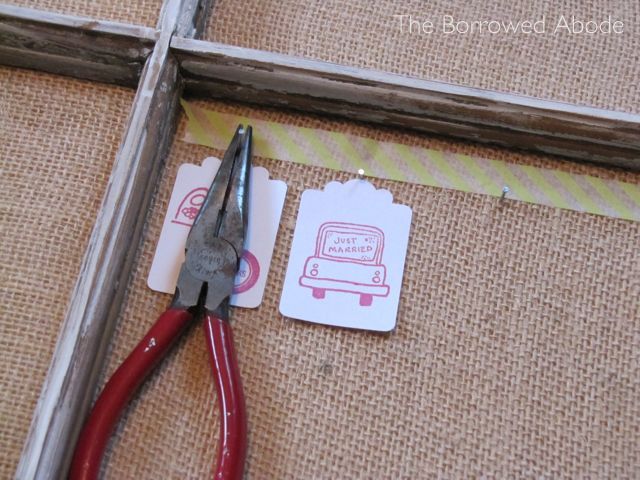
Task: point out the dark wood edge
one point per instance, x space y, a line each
113 52
264 78
103 279
97 297
80 47
116 53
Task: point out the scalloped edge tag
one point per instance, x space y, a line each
347 257
266 201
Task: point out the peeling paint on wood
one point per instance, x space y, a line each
97 297
100 287
264 78
122 54
84 48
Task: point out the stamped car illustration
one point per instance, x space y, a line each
190 206
347 258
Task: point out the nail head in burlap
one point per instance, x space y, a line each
516 351
517 347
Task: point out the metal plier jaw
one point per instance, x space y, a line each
213 250
215 243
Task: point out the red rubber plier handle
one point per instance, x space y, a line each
126 380
205 283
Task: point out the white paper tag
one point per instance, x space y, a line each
266 200
347 257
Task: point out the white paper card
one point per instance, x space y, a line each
347 257
266 200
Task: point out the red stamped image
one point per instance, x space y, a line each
189 207
347 258
248 273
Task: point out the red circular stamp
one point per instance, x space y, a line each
248 273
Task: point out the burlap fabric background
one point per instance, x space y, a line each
593 70
58 139
137 12
518 341
516 352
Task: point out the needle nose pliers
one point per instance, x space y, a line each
205 282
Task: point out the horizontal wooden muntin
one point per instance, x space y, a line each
159 62
116 54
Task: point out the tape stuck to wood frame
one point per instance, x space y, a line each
395 161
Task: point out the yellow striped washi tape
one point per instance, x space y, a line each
424 166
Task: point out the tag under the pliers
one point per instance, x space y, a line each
266 200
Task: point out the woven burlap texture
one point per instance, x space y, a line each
139 12
58 141
600 70
516 352
518 340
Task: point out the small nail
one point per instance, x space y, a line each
505 190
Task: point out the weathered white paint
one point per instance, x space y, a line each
80 47
272 79
117 53
95 303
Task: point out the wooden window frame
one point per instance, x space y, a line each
162 62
